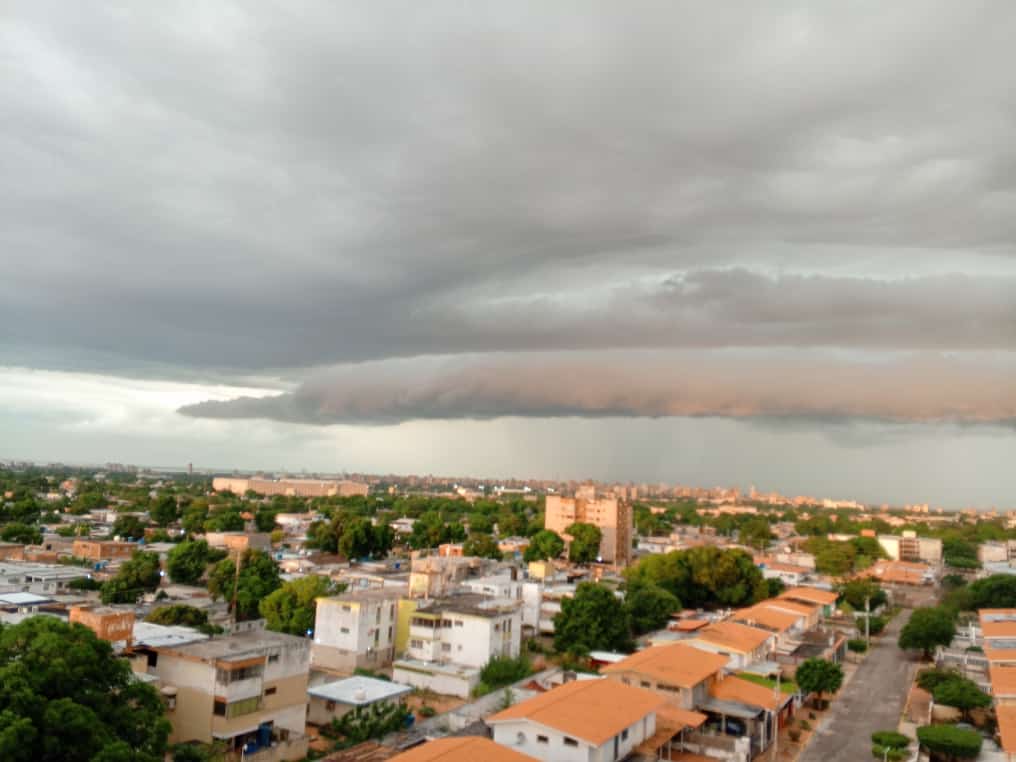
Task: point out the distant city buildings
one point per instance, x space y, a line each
290 487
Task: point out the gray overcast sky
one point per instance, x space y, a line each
698 241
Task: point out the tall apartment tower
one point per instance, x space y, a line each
612 516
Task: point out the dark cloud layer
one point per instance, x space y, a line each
292 185
916 388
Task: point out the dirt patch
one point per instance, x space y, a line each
436 701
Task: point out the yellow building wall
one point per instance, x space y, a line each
406 608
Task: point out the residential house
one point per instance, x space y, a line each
825 599
741 644
247 690
103 550
356 629
331 700
680 673
998 635
239 542
583 720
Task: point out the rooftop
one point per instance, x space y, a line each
1003 680
738 637
359 691
242 645
735 689
593 710
462 749
811 594
675 663
766 616
1006 717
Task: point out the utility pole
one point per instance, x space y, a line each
867 621
776 719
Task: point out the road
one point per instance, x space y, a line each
872 701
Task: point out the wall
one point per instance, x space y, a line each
439 682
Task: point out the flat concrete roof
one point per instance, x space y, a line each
359 690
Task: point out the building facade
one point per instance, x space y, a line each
611 515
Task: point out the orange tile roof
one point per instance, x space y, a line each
767 617
997 629
1003 680
1006 716
593 710
738 637
806 609
896 571
462 749
679 718
811 594
733 688
688 625
674 663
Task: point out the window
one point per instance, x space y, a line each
344 630
458 623
389 633
624 734
542 739
626 681
242 707
271 691
391 612
416 644
377 616
273 658
644 683
219 709
345 608
446 647
570 741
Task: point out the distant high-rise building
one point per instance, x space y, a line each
612 516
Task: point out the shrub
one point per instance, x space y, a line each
857 645
805 725
884 754
949 741
795 734
426 711
501 671
890 739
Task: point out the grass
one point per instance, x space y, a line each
786 686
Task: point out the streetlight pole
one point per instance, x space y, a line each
867 621
776 719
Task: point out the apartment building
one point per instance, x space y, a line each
356 629
909 547
451 639
247 690
611 515
290 487
583 720
436 576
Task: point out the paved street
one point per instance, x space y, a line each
872 701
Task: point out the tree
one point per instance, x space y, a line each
995 592
927 628
819 676
949 743
774 586
756 533
227 520
21 533
165 510
67 698
592 619
650 607
544 545
258 578
503 670
888 744
292 607
140 575
264 519
186 563
128 527
855 591
483 546
585 544
961 693
703 577
178 615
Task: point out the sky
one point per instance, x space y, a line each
769 244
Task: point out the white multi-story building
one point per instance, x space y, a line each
356 629
909 547
451 639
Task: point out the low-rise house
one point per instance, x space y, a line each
748 709
825 599
810 612
680 673
356 629
246 690
331 700
239 542
103 550
785 625
600 720
741 644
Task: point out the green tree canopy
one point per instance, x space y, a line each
995 592
585 544
22 533
855 591
819 676
756 533
128 527
481 545
927 628
65 697
949 743
544 545
592 619
187 562
961 693
293 606
178 615
165 510
703 577
258 578
137 576
649 607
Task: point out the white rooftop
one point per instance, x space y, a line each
359 690
22 599
161 636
